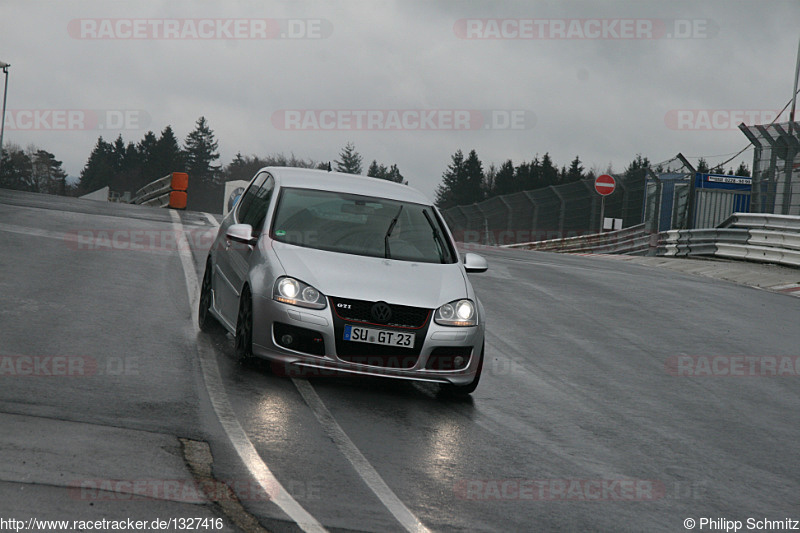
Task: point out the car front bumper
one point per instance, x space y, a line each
372 359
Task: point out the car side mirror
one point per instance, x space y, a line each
475 263
242 233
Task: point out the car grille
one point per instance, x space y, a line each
348 311
361 311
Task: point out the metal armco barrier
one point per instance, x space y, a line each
169 191
632 241
765 221
746 236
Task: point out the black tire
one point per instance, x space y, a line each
244 328
469 388
205 319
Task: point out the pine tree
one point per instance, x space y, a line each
243 168
393 174
635 167
534 178
130 177
472 190
146 149
349 160
381 172
702 166
377 171
523 177
200 149
489 177
575 172
719 169
451 181
118 153
549 172
167 156
100 168
505 181
743 170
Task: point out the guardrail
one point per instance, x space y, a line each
169 191
758 237
746 236
632 241
765 221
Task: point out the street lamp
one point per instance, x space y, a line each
3 66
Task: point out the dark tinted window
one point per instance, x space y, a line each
255 202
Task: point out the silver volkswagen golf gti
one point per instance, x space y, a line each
324 273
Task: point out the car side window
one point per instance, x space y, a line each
247 198
255 202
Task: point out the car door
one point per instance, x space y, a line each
233 260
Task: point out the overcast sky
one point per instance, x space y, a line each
407 82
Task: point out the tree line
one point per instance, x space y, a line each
129 166
465 181
33 169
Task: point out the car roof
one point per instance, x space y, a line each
306 178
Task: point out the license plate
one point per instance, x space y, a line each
379 336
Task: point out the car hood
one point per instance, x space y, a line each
373 278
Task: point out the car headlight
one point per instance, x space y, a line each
295 292
457 313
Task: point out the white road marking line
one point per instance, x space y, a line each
36 232
362 466
222 407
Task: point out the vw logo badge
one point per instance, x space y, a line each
381 312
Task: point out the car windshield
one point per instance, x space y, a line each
361 225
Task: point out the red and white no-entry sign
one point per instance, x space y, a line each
604 184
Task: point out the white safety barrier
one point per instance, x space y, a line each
758 237
743 236
169 191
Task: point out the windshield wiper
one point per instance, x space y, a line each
436 237
389 233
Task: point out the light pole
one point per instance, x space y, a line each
3 66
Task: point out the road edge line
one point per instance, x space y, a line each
222 407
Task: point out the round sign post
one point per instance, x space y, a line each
604 185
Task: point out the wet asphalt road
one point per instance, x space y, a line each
578 400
